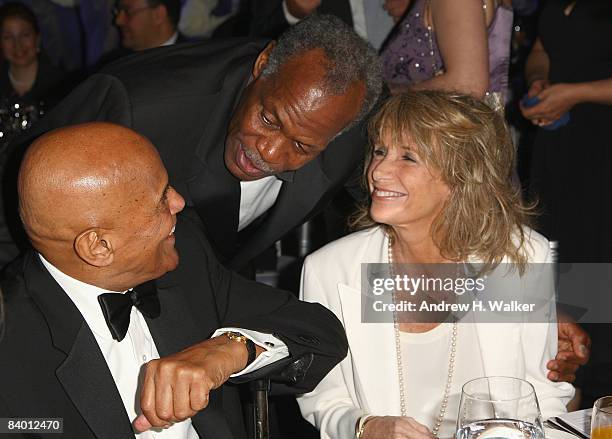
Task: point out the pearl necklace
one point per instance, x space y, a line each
398 357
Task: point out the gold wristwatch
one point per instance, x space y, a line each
236 336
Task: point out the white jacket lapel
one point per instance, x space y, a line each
372 348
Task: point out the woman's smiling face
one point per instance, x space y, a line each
404 190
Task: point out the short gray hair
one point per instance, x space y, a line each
351 58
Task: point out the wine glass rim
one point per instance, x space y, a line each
530 386
607 409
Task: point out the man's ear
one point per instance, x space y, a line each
262 59
94 248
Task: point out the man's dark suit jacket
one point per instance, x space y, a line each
51 365
182 98
121 51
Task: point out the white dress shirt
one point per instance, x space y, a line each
170 41
256 197
126 358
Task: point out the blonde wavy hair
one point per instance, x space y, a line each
468 143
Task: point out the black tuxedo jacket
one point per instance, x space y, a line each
51 365
182 98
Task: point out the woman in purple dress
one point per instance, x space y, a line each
460 45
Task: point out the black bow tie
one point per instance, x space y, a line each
117 307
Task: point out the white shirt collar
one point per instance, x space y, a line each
170 41
85 298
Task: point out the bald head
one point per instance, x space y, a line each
70 177
82 185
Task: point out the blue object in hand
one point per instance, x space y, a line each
563 120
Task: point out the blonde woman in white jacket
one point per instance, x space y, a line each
440 192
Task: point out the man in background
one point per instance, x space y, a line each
145 24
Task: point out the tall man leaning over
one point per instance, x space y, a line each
257 136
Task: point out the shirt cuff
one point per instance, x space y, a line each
275 349
290 18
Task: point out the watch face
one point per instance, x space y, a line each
236 336
251 349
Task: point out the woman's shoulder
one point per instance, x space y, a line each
349 246
536 246
339 262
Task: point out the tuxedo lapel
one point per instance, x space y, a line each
295 201
84 374
89 384
178 327
214 190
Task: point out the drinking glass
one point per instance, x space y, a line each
601 421
499 407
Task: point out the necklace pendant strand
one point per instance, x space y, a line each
398 356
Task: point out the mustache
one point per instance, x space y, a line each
253 156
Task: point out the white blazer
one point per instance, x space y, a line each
365 382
